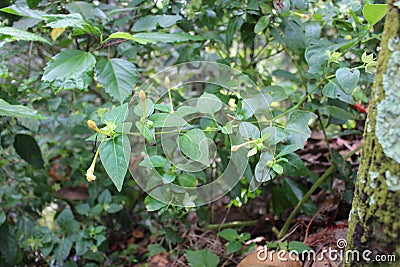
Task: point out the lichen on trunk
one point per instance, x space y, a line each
374 221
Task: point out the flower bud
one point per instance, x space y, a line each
142 96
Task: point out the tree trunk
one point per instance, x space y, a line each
374 221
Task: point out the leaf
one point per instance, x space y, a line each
208 103
145 131
274 93
24 11
154 37
18 111
168 178
277 168
294 166
249 130
194 144
17 34
56 32
332 90
28 149
153 162
74 20
298 246
273 135
153 204
261 172
374 12
187 180
229 234
117 115
70 69
118 77
63 249
233 26
261 24
105 197
347 79
162 120
298 128
149 108
288 149
115 154
293 35
336 112
150 22
202 258
233 246
83 8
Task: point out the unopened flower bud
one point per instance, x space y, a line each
142 96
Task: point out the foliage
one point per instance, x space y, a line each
311 60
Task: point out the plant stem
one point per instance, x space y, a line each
311 191
236 224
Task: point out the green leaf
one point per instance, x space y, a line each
83 8
249 130
70 69
233 26
229 234
194 144
374 12
332 90
261 24
153 162
27 148
274 93
17 34
149 108
298 127
155 37
74 20
294 166
202 258
297 246
261 171
233 246
277 168
273 135
347 79
145 131
115 154
153 204
33 3
187 180
155 249
208 103
105 197
293 35
288 149
168 178
117 115
113 208
63 249
161 120
150 22
118 77
18 111
23 11
336 112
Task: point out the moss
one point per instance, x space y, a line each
375 220
388 115
392 181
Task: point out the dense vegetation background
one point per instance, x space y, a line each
64 63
